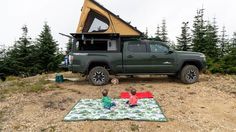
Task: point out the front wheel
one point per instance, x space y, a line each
189 74
99 76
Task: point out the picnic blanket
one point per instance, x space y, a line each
88 109
140 95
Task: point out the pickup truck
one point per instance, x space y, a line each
134 57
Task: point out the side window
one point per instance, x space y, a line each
137 48
158 48
112 45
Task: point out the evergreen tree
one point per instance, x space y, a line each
145 35
163 33
233 41
172 44
158 31
211 40
158 34
48 54
230 58
2 50
184 39
20 59
224 43
69 45
199 29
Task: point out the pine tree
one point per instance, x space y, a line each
2 50
233 46
158 31
172 44
184 39
230 58
199 29
211 40
233 41
224 43
20 60
163 34
69 45
145 35
158 34
48 54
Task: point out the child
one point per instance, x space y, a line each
133 100
106 101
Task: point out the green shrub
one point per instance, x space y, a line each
226 65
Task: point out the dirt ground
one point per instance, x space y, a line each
209 105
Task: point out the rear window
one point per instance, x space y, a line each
137 48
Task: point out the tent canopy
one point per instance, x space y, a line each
97 19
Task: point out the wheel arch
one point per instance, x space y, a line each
93 64
196 63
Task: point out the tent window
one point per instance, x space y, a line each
96 23
98 26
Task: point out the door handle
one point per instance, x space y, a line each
129 56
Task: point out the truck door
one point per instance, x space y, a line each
162 60
135 57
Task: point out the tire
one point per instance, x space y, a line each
189 74
99 76
3 79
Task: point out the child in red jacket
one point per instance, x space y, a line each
133 100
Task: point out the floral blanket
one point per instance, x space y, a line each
89 109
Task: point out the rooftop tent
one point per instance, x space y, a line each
97 19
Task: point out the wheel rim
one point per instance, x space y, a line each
99 77
191 76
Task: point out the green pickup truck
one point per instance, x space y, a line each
100 56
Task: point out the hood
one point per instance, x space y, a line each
190 53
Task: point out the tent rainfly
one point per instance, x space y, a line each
97 19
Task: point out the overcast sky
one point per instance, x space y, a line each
63 15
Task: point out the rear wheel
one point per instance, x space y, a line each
189 74
99 76
3 79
